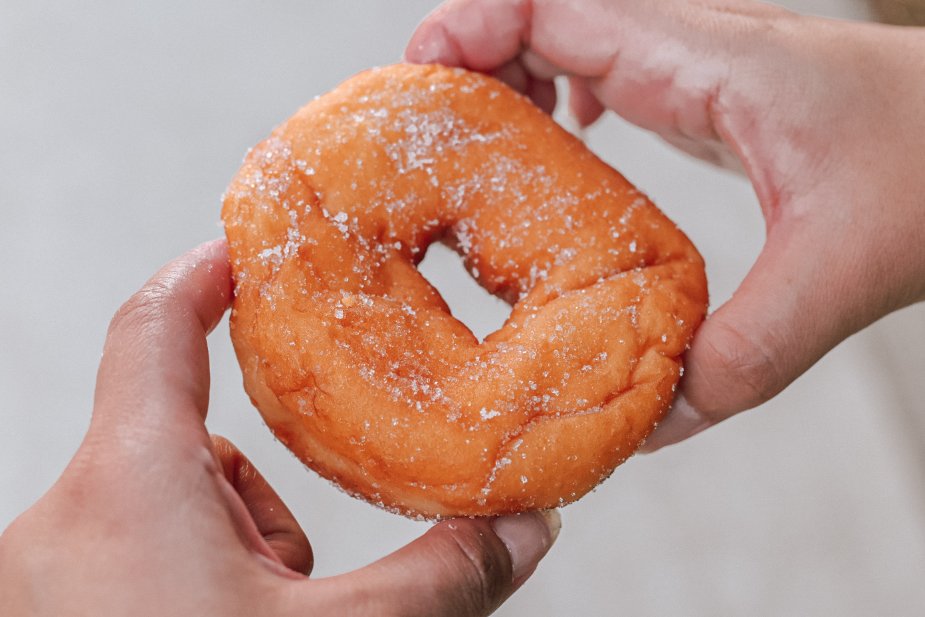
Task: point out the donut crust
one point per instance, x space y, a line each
355 361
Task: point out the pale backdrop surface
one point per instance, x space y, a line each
122 122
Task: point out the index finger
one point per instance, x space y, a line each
153 381
555 36
664 66
477 35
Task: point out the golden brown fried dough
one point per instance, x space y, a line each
354 359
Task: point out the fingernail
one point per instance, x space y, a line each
527 537
681 422
427 48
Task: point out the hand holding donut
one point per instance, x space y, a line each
824 117
152 517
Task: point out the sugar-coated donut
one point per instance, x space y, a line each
354 359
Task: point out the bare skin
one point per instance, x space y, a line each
824 117
155 517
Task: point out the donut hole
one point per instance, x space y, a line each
469 302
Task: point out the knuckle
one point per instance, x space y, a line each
484 572
144 306
742 365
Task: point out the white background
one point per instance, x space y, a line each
121 124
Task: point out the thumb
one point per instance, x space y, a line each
796 304
460 567
153 382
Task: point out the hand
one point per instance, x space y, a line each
152 517
824 117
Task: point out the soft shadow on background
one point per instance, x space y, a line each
121 125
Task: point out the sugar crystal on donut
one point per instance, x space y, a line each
354 359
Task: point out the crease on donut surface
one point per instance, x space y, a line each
354 359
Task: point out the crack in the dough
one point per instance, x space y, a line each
503 450
505 447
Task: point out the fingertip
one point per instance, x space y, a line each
429 45
214 253
208 268
432 42
217 246
478 35
683 420
155 349
527 537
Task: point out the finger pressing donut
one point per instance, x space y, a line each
461 567
483 37
153 382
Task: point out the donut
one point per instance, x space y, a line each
353 358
